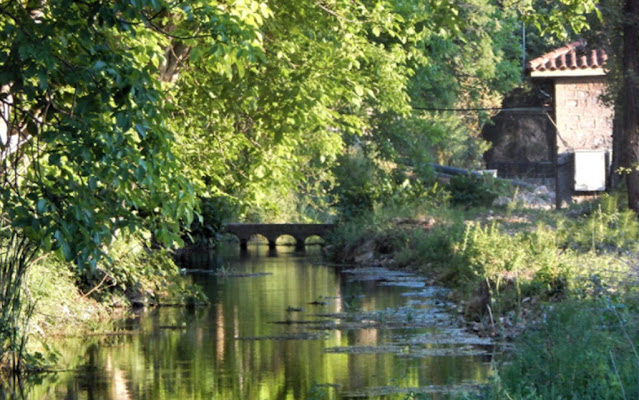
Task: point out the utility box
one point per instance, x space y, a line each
590 170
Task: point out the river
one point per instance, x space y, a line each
280 326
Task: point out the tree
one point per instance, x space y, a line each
85 149
276 123
472 60
630 100
620 18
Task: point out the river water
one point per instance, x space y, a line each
280 326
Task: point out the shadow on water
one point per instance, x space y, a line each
278 327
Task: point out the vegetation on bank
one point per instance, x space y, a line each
566 279
62 301
122 117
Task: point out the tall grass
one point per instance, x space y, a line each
545 260
16 254
582 349
576 270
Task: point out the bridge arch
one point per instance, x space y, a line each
300 232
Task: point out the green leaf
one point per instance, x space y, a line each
41 206
43 80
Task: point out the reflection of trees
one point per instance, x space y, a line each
220 341
197 354
119 383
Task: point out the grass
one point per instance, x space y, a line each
69 302
569 277
581 349
512 253
61 309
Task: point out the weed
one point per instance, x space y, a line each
605 226
581 350
225 269
471 190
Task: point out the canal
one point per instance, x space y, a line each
280 326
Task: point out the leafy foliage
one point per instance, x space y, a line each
584 350
473 190
85 151
81 84
311 79
276 121
559 18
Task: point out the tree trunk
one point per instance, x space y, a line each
630 105
614 176
175 54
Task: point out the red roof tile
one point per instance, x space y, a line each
574 59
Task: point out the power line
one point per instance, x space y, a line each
504 109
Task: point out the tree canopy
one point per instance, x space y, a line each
117 115
120 116
276 116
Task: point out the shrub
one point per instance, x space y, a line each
214 211
134 272
472 190
357 186
581 350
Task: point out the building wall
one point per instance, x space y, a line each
522 136
583 122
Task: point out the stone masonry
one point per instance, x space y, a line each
583 121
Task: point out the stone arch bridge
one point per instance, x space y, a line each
273 231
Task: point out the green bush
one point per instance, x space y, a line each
605 226
472 190
580 350
214 211
134 272
357 187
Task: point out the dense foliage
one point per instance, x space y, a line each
84 102
118 116
320 78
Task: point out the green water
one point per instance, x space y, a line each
235 349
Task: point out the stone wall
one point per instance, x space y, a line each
583 121
521 137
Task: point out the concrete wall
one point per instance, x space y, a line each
583 123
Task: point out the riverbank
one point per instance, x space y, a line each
533 276
63 301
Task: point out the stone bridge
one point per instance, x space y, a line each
273 231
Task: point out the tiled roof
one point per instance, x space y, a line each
574 59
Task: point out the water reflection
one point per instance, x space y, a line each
234 349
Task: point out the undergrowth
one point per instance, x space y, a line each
569 276
136 274
581 349
66 301
544 259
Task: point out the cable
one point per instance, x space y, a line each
507 109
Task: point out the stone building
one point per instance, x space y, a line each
579 133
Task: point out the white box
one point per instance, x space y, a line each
590 170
